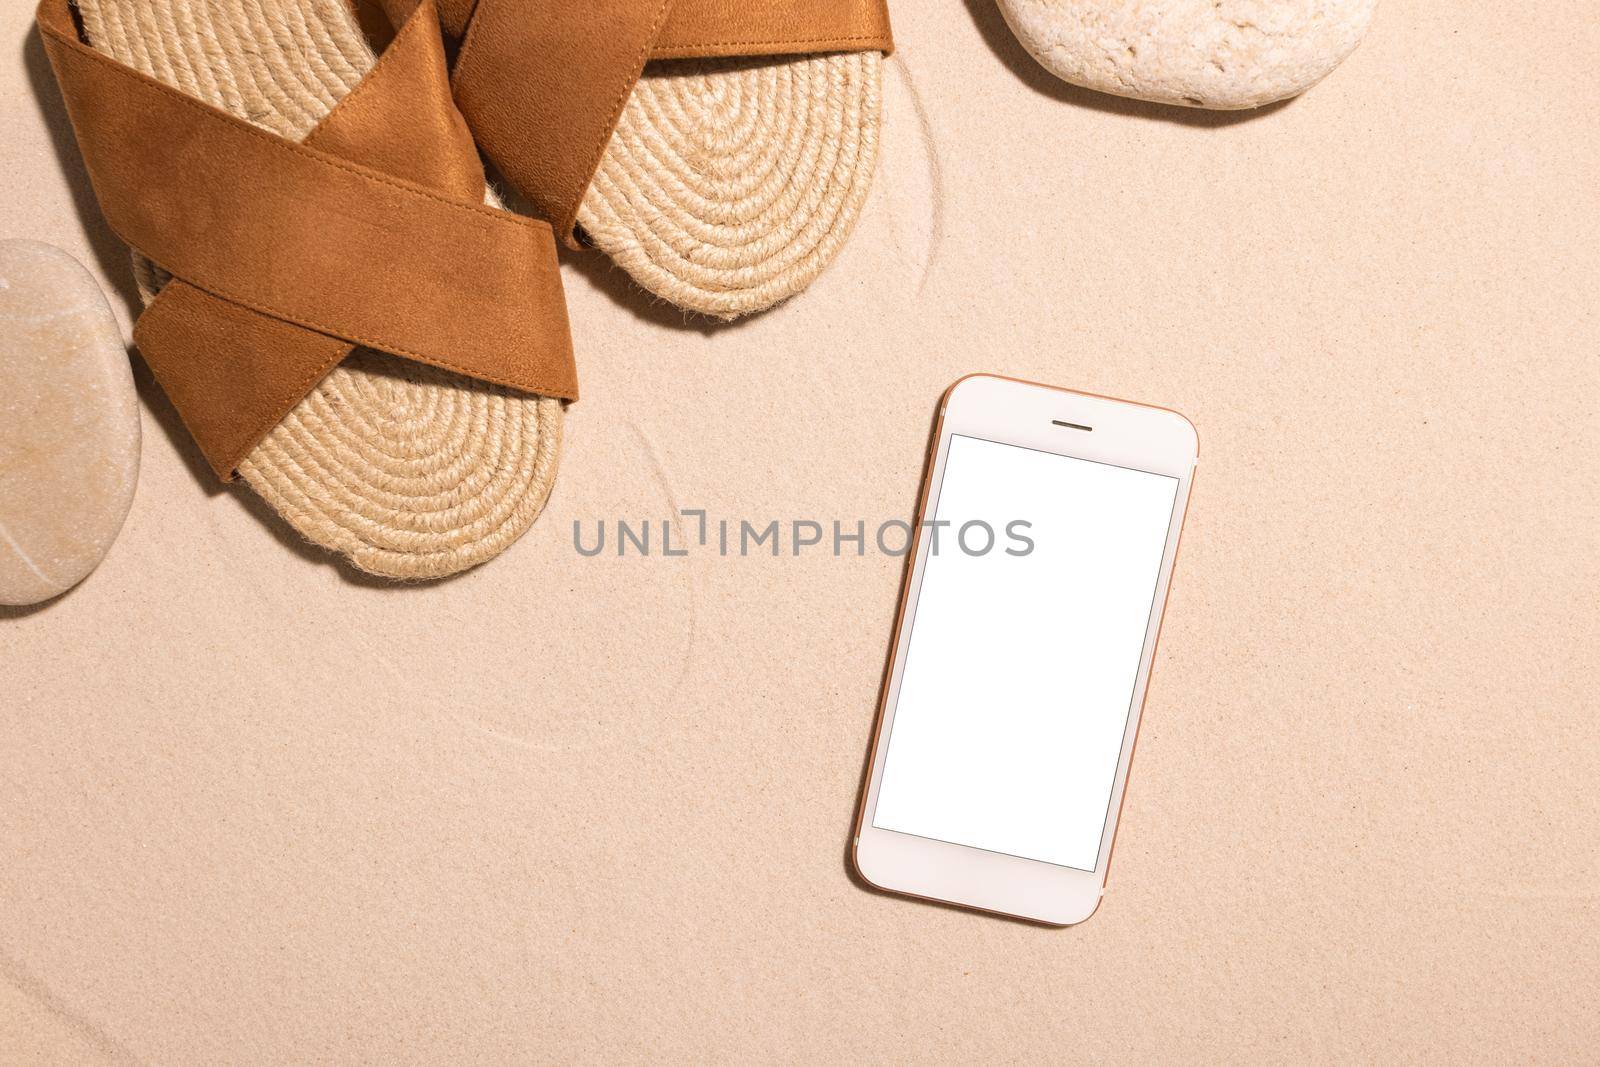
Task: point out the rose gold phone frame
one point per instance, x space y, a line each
971 878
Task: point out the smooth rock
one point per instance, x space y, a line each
1224 54
69 423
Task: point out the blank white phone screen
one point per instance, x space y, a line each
1019 677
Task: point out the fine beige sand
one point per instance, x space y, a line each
255 808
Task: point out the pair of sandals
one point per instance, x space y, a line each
342 312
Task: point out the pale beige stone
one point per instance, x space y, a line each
69 423
1223 54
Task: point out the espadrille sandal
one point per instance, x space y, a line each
334 311
718 151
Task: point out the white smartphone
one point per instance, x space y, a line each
1048 528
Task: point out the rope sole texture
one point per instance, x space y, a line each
407 471
729 184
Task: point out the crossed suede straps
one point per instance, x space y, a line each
372 231
543 82
285 256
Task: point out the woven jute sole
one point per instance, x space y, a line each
730 184
408 471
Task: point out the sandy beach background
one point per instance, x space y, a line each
255 808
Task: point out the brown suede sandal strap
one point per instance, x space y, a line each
543 82
285 256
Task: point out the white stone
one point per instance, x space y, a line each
1223 54
69 423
